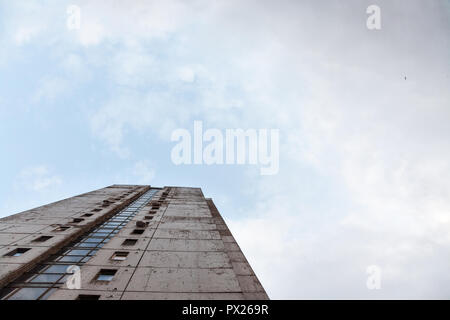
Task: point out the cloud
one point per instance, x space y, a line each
104 21
50 88
364 161
348 114
38 179
186 74
143 172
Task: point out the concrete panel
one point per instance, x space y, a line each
33 253
72 294
116 243
169 259
237 256
127 231
103 258
242 269
187 226
30 240
187 234
185 245
15 228
117 284
10 238
249 284
184 280
130 295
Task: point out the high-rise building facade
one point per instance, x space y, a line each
124 242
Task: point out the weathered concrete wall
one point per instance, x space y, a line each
186 251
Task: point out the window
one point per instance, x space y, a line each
105 275
148 217
43 278
77 220
42 239
17 252
138 231
56 268
88 297
27 294
96 210
60 229
87 215
129 242
152 212
119 256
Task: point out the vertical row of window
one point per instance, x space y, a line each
44 279
107 275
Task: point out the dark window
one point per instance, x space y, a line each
148 217
129 242
47 278
96 210
71 259
138 231
57 268
87 215
119 256
105 275
78 252
88 297
59 229
42 239
77 220
92 239
27 294
17 252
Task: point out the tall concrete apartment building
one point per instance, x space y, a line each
124 242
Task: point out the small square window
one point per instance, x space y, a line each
138 231
17 252
105 275
88 297
60 229
77 220
129 242
42 239
119 256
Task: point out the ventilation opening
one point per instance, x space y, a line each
42 239
129 242
106 203
119 256
17 252
88 297
60 229
105 275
